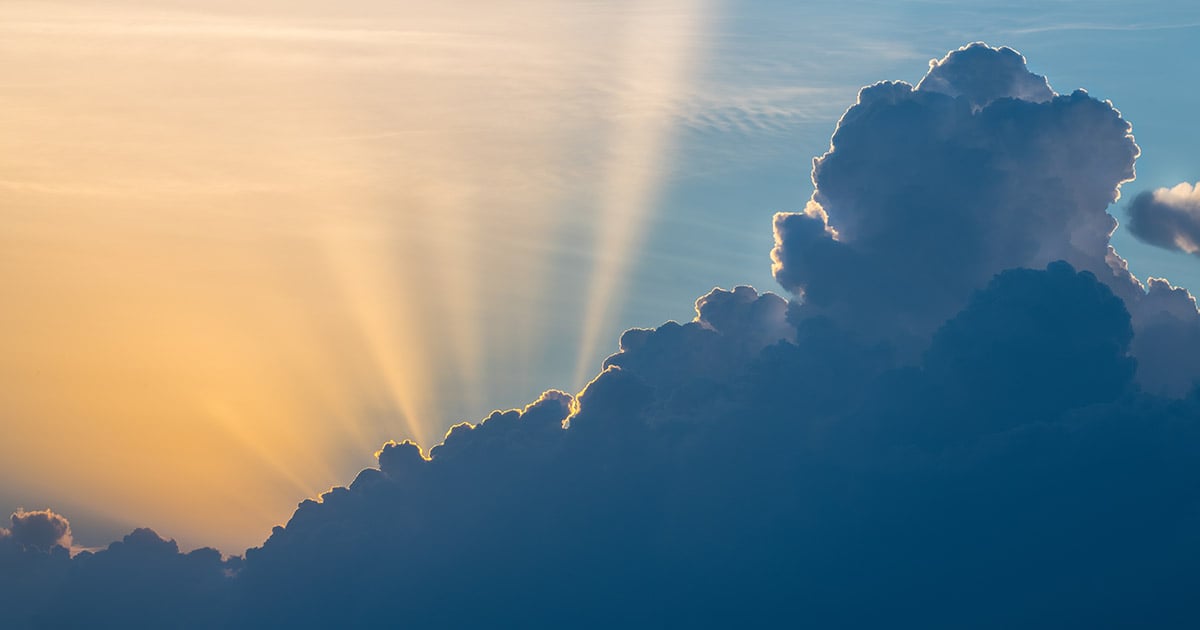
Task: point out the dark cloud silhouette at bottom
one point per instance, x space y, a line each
771 463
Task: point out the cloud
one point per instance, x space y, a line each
143 581
730 327
41 530
140 581
1019 441
1167 344
983 75
928 191
950 427
1069 356
1168 218
34 559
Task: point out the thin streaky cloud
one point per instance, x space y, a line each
1102 27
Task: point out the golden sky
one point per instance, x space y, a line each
242 248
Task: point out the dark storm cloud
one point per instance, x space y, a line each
950 429
1168 218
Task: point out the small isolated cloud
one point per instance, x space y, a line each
1168 218
41 530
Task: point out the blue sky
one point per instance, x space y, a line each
731 182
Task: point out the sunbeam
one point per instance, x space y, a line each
830 316
387 329
655 60
290 275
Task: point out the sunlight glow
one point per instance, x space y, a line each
656 57
247 246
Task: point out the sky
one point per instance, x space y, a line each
800 315
244 246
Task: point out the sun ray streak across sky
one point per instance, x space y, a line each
656 56
289 233
242 244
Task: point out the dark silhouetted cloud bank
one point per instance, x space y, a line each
970 415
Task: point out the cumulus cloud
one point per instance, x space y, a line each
34 560
143 581
41 530
1070 356
982 75
1167 344
730 327
928 191
1168 217
1018 442
950 427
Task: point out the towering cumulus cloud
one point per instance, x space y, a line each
928 191
971 415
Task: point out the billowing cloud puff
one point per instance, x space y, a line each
41 530
34 560
1168 217
730 327
927 192
755 320
1165 300
1071 356
1167 344
982 75
143 581
944 432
